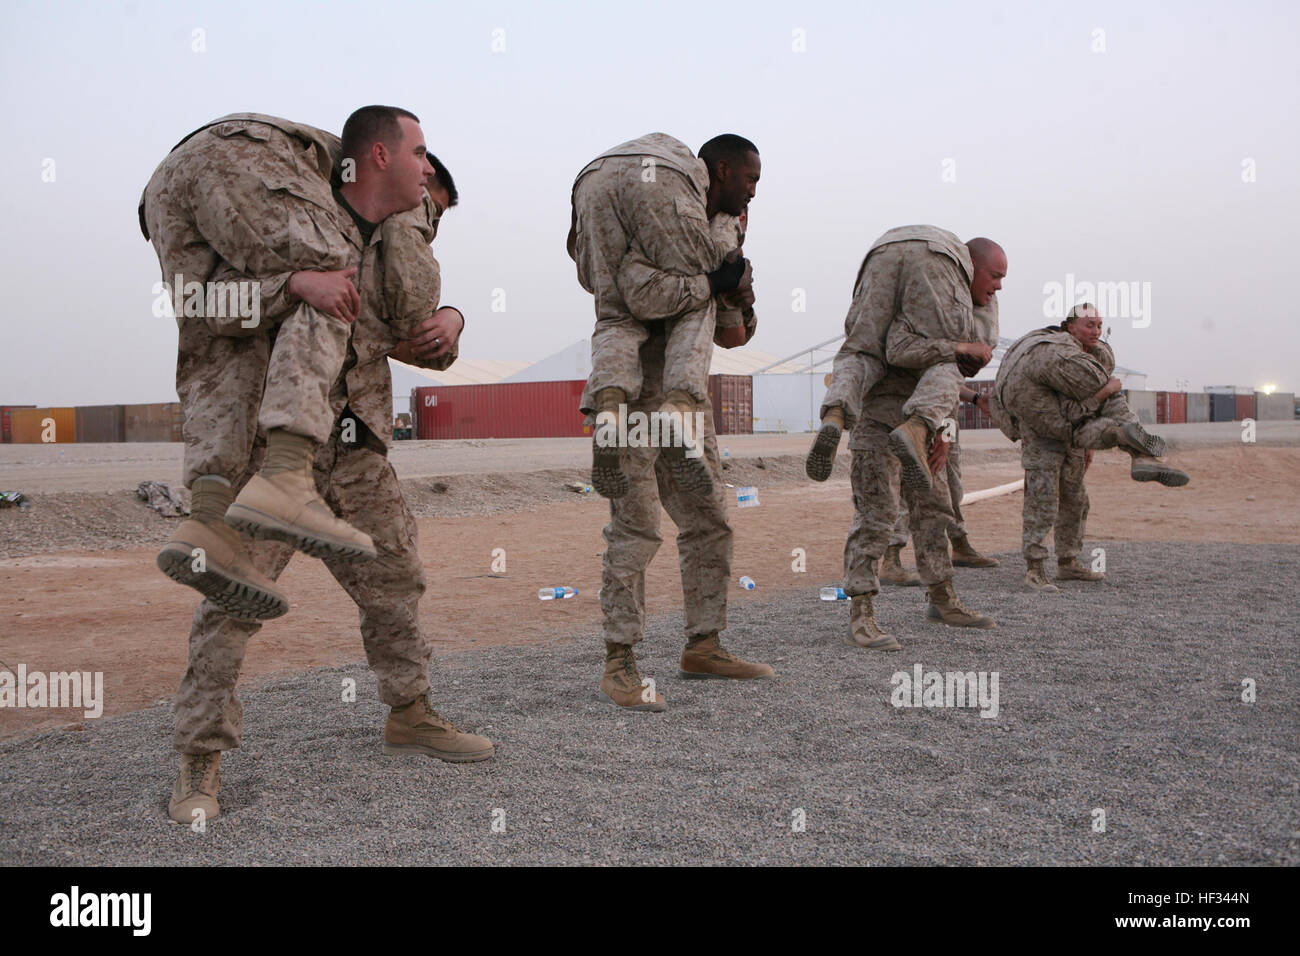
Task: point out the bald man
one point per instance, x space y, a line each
913 308
895 380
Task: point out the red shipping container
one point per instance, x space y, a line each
1245 406
1177 408
502 410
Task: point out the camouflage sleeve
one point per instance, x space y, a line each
905 349
1103 353
412 281
651 293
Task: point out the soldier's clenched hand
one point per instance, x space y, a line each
331 292
435 336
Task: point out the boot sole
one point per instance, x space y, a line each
1169 478
915 473
265 527
690 474
873 646
607 476
655 707
451 756
938 619
1050 589
692 675
1140 439
230 594
821 460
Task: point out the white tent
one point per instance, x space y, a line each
573 363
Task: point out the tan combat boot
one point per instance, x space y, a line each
706 657
685 452
1069 569
863 629
821 459
416 728
281 503
607 475
1149 469
892 570
208 555
1036 577
945 606
1134 439
622 681
196 788
910 443
965 556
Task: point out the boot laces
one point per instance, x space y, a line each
200 764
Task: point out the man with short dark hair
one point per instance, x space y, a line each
668 266
349 470
641 230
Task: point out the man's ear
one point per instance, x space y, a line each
379 153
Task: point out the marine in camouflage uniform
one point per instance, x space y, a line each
248 198
1045 396
911 308
641 238
704 537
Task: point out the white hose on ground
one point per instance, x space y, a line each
993 492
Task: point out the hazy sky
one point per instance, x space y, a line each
1110 141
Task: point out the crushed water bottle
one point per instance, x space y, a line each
834 594
555 594
747 497
747 583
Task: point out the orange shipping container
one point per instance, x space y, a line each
31 426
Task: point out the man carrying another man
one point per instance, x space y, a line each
1056 393
913 303
661 222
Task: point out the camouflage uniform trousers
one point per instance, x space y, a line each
241 202
926 295
875 478
957 526
1055 496
704 537
618 216
359 484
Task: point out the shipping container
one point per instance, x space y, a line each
1223 407
6 425
1245 407
501 410
733 404
1198 407
1143 405
1171 408
33 426
157 422
101 423
970 415
1280 406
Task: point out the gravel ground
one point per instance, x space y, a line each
1124 697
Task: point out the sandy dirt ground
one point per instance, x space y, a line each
112 611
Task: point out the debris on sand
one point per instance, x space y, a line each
162 498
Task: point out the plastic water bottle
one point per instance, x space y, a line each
747 583
747 497
726 452
834 594
555 594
